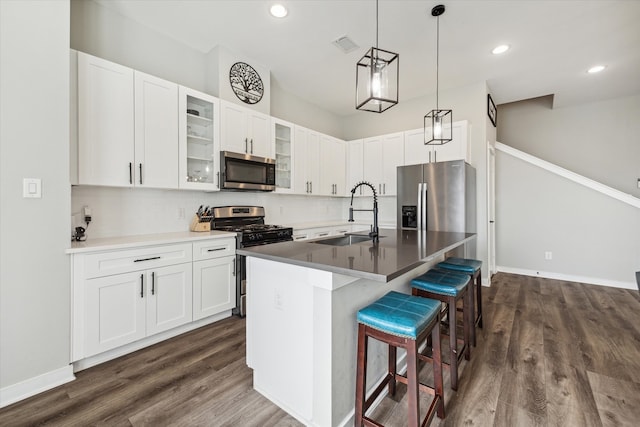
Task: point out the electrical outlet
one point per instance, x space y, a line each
548 255
278 302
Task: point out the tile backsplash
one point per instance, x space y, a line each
130 211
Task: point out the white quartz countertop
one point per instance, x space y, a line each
123 242
321 224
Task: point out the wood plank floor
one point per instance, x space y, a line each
552 353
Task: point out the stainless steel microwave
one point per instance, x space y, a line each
247 172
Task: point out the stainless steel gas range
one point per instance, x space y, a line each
248 223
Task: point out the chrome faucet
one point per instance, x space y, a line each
374 234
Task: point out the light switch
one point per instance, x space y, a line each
32 188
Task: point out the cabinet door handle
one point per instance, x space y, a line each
142 286
216 249
153 283
380 188
218 176
140 173
233 270
130 173
384 188
146 259
429 156
307 184
435 156
311 187
246 145
251 145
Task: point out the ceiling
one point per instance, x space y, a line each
553 43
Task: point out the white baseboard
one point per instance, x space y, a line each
568 277
22 390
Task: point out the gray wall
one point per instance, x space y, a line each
34 143
599 140
592 237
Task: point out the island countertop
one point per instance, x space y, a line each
396 252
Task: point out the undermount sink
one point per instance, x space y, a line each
343 240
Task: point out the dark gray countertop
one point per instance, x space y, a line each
397 252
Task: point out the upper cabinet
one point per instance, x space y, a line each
244 130
306 167
355 172
417 152
332 166
199 130
381 156
127 126
282 136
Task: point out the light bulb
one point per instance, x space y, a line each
379 80
437 128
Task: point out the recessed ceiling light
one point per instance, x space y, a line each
596 69
278 11
500 49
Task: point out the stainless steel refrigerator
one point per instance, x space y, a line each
438 196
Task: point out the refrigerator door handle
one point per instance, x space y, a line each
419 206
424 206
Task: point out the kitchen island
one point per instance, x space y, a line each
302 300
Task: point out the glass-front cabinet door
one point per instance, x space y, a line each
282 137
199 121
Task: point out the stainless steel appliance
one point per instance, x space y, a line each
248 223
247 172
438 196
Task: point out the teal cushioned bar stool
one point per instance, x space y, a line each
449 288
404 321
473 268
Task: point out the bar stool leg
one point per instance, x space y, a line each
469 323
412 383
360 373
392 369
437 368
479 297
472 312
453 343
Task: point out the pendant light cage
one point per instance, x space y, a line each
438 129
377 80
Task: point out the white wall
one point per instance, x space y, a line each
592 237
34 143
600 140
101 32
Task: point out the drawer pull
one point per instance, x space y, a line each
323 234
216 249
146 259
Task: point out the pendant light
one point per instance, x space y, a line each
377 78
437 123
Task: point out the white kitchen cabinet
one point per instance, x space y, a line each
199 147
306 166
355 172
115 312
332 166
126 298
417 152
105 122
124 308
243 130
214 272
127 126
381 156
282 136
